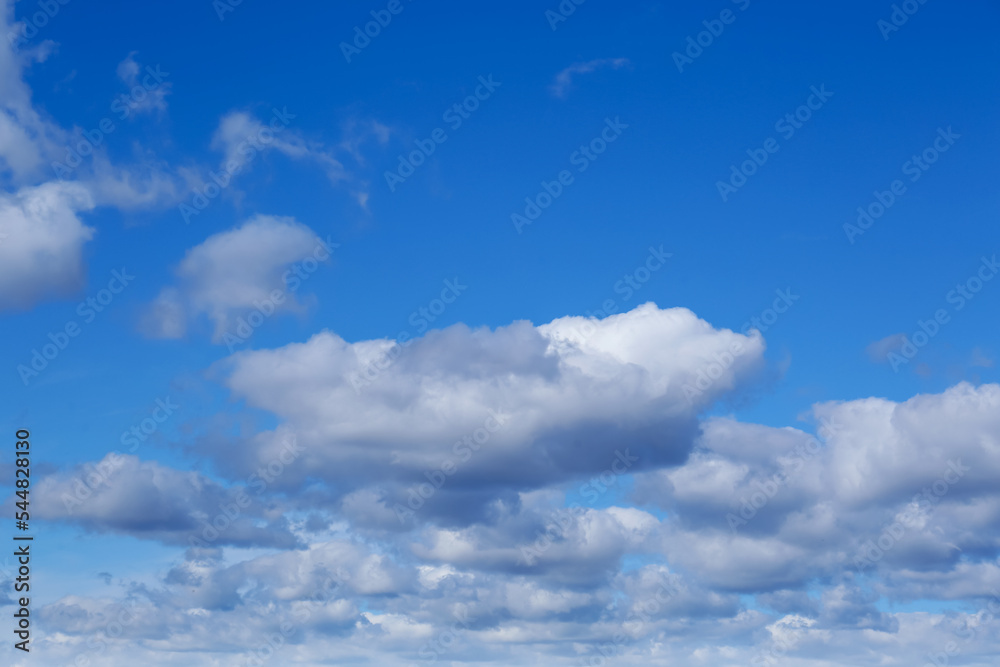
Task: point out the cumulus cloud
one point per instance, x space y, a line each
122 494
720 542
234 272
41 242
895 488
518 407
567 547
344 600
563 81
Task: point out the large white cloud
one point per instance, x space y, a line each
517 407
895 489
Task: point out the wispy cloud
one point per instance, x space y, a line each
564 80
879 351
143 96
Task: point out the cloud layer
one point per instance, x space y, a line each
589 509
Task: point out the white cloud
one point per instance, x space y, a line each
569 393
232 273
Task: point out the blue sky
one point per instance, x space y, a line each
367 252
